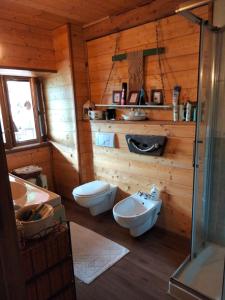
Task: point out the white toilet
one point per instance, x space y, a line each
96 195
138 213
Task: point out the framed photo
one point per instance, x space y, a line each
133 97
157 97
117 97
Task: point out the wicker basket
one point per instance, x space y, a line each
34 229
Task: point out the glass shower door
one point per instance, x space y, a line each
203 140
203 274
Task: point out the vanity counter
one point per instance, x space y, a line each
25 193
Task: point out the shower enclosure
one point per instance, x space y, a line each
201 276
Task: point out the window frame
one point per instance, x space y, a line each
7 114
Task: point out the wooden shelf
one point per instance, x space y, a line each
144 122
135 106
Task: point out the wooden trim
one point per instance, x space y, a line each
5 115
35 109
12 279
27 147
42 119
10 138
211 12
30 69
70 45
147 13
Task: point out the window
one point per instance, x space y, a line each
20 111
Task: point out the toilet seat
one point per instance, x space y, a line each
97 195
90 189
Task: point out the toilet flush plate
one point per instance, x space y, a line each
104 139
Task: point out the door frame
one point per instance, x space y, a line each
12 283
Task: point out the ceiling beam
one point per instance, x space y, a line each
155 10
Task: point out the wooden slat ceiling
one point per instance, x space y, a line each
49 14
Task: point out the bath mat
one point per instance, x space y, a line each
93 254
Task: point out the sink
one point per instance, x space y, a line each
19 193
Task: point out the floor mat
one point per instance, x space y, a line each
93 254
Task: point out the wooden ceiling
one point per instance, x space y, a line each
49 14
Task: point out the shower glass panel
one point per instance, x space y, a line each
203 141
203 274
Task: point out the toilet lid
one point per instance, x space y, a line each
91 188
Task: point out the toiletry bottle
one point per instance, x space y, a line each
176 95
154 192
181 113
175 113
188 111
175 99
124 93
194 118
142 97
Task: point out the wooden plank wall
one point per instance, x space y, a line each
173 172
40 156
27 47
24 46
131 172
179 36
59 96
79 57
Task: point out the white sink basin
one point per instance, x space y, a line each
19 193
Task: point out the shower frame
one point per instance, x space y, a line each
198 242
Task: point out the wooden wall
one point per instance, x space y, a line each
173 172
179 63
39 156
131 172
24 46
80 72
148 12
59 96
27 47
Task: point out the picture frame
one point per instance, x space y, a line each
157 96
116 98
133 97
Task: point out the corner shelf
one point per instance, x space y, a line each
135 106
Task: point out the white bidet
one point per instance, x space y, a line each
138 213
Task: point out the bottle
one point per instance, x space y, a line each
142 97
194 114
154 193
188 111
175 100
181 113
176 94
124 93
175 113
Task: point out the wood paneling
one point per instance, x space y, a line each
179 63
40 156
24 46
79 59
82 11
173 172
22 14
60 104
149 12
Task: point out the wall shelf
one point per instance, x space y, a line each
144 122
135 106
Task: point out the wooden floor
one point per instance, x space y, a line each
143 273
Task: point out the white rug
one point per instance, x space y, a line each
93 254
